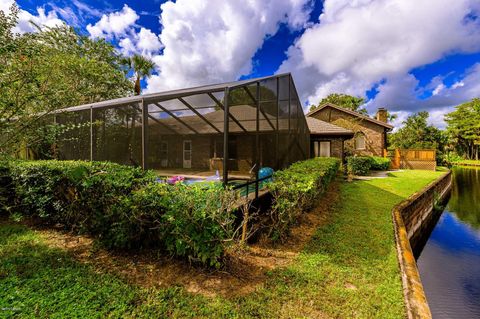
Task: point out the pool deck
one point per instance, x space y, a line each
199 173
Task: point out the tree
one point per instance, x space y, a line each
416 133
463 127
142 67
343 100
47 70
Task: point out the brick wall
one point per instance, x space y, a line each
409 217
374 133
418 207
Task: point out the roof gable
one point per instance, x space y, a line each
356 114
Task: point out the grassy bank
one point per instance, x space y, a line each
348 269
467 163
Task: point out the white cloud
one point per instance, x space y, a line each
215 41
438 89
360 43
401 94
25 18
114 24
5 5
144 42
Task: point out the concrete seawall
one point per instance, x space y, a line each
409 218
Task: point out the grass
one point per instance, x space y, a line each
349 269
467 162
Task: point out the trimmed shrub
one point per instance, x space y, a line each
295 190
124 207
194 221
379 163
358 165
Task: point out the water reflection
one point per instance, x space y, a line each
465 201
449 264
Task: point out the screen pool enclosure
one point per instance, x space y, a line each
232 132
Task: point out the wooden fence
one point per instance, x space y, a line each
412 158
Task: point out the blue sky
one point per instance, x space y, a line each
406 55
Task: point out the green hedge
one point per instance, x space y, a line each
126 207
379 163
295 190
123 207
359 165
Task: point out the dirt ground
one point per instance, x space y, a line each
244 272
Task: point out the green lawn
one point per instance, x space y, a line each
349 269
467 162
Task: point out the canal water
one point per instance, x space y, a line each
449 264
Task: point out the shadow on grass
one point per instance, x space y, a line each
40 281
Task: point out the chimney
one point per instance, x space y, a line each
381 115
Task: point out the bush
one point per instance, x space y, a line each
359 165
295 190
124 207
379 163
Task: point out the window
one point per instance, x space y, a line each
360 142
321 148
324 149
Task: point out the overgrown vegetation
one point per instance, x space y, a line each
123 207
296 189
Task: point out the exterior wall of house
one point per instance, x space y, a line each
336 145
203 156
375 136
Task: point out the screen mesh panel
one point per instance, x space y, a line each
183 132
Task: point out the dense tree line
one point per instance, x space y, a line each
464 129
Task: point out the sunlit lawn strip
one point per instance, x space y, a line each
349 269
467 162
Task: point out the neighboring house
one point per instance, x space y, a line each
369 134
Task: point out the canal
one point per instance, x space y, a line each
449 264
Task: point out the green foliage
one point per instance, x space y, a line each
359 165
343 100
124 207
464 129
378 163
47 70
193 221
354 245
417 133
142 67
295 190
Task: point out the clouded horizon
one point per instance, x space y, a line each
406 55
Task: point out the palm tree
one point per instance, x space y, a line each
142 67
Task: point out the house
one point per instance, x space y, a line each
367 136
326 139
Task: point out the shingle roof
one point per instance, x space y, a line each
318 127
388 126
